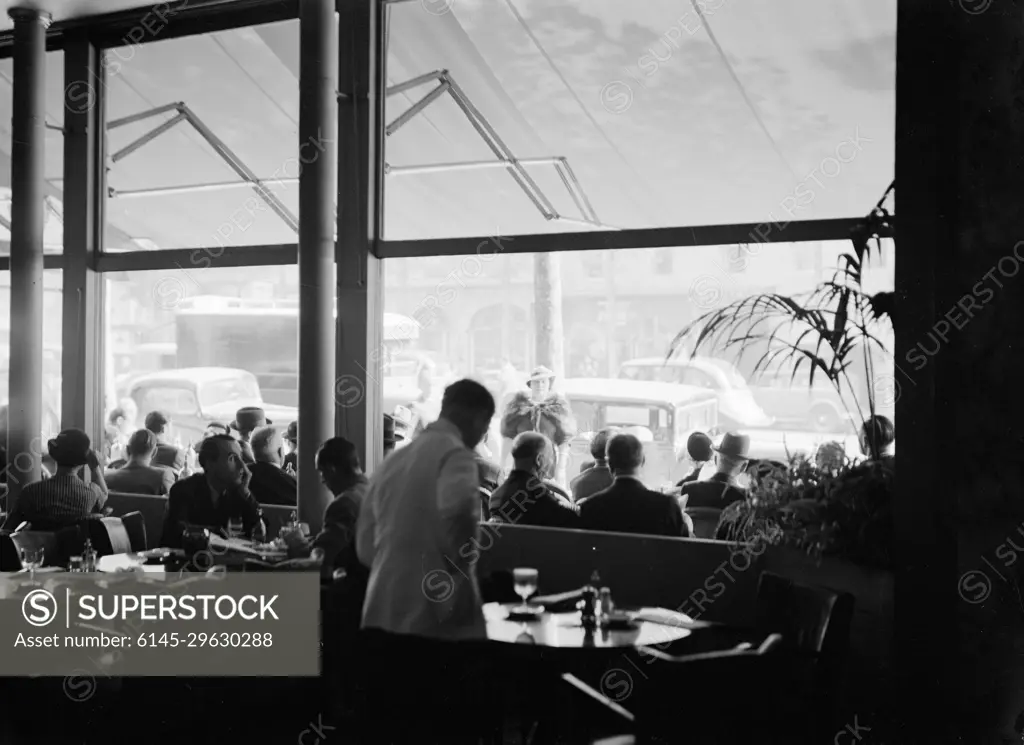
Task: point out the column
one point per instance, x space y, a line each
959 347
86 333
361 351
318 48
24 446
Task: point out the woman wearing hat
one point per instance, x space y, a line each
541 410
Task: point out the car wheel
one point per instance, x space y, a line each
825 419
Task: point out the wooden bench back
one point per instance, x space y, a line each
713 580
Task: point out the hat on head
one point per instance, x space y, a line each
390 436
292 435
70 448
734 446
541 373
249 418
699 447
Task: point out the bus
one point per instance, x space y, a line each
262 336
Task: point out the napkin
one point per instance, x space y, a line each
666 617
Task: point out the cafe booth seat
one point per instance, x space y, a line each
153 510
713 580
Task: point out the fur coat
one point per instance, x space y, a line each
552 417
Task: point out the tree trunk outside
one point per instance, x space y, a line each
547 295
550 337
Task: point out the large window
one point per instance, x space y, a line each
552 115
52 341
202 343
203 140
53 235
479 315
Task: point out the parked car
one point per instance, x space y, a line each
737 407
793 402
195 396
664 414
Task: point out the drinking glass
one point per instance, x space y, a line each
525 580
31 559
235 528
75 564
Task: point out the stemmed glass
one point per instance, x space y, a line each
31 559
525 580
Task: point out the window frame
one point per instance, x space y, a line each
84 262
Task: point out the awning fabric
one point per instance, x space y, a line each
751 110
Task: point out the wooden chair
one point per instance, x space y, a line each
705 521
815 625
107 534
135 525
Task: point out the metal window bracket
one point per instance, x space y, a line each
184 113
505 158
516 167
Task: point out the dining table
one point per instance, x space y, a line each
227 552
644 627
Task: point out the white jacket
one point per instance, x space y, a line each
418 533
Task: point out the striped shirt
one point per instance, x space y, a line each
64 499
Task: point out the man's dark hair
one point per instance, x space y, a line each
599 445
464 396
625 453
116 414
339 454
141 442
156 422
880 432
209 449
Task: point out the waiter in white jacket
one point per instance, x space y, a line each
416 533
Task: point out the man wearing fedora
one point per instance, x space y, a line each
541 410
248 419
721 490
65 498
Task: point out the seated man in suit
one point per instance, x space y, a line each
627 506
701 450
167 455
270 484
138 475
214 497
598 476
341 472
722 489
525 498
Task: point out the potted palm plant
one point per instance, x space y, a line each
831 518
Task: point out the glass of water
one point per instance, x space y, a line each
31 559
525 580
